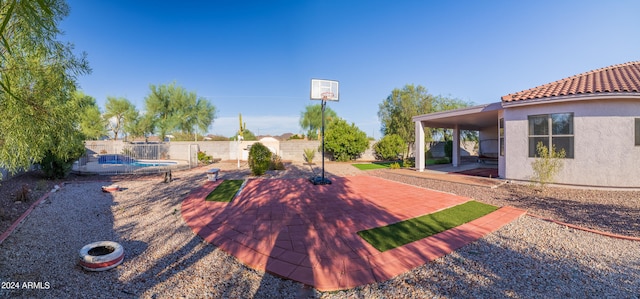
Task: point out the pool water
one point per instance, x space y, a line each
117 159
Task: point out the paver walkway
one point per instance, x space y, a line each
307 233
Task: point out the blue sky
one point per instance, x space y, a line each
258 57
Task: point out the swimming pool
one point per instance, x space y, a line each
117 159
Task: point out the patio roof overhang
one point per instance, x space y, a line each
471 118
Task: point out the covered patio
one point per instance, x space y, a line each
481 118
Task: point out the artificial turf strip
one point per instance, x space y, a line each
225 191
371 166
404 232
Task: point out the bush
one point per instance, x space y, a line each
409 162
345 142
309 154
395 165
297 137
448 149
430 154
389 147
259 159
204 158
547 164
55 167
276 163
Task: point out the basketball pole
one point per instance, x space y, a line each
324 103
322 180
323 90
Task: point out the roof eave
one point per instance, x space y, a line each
458 112
571 98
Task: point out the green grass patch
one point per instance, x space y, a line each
225 191
387 164
404 232
438 161
371 166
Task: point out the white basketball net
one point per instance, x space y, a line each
326 95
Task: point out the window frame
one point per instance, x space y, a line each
501 136
550 134
637 131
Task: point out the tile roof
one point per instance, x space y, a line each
620 78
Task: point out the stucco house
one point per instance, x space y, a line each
593 116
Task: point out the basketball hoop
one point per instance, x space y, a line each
325 90
326 95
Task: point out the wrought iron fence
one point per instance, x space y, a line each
112 157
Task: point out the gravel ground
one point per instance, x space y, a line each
616 212
165 259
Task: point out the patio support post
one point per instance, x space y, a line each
456 146
418 149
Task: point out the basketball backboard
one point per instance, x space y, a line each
324 90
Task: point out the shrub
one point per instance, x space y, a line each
448 149
259 158
309 154
219 138
345 142
389 147
409 162
276 163
56 167
296 137
395 165
204 158
430 154
128 152
547 164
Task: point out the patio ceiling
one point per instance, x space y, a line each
471 118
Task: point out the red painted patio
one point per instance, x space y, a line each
307 233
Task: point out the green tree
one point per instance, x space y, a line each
247 135
311 119
343 141
443 104
204 115
396 111
119 111
175 108
38 115
158 105
92 125
389 147
191 113
140 125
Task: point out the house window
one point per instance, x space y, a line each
637 131
501 135
551 129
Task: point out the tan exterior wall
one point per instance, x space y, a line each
604 149
291 150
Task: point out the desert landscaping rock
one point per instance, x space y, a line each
165 259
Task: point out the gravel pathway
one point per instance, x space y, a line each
609 211
165 259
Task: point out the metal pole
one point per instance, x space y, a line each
324 103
